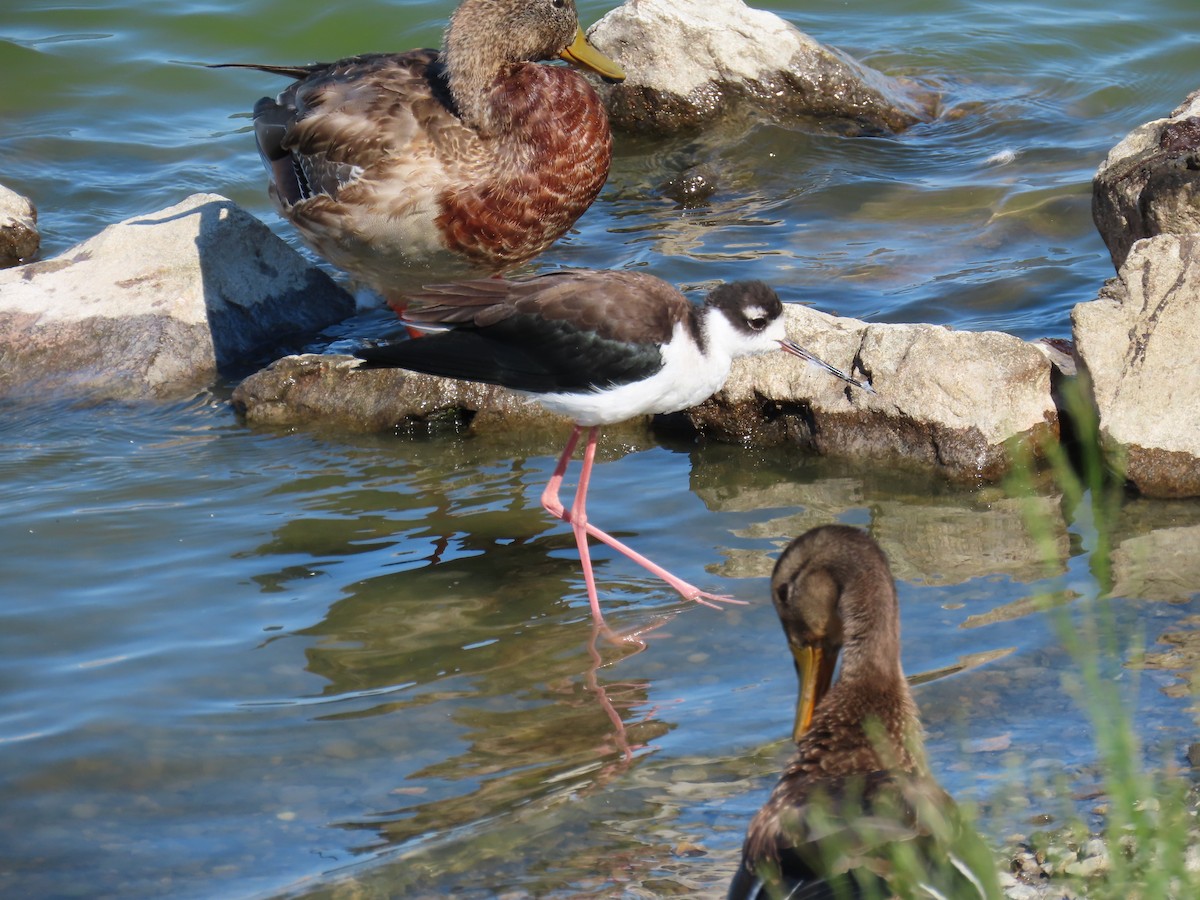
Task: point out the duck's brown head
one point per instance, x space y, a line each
834 594
484 36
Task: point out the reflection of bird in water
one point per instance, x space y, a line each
600 348
856 812
399 167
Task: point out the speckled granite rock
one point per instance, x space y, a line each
1139 348
19 238
690 62
159 305
1150 182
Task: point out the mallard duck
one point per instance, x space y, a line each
399 167
598 347
856 812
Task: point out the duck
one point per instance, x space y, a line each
856 812
598 347
468 161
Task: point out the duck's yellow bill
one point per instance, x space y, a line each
581 53
815 669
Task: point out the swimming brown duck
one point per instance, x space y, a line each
856 812
474 159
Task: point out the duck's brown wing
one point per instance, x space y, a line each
876 835
338 119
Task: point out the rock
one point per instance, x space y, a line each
930 536
333 390
1191 858
953 400
159 305
1157 564
1088 867
328 390
946 399
19 238
1150 182
1018 891
1139 350
689 63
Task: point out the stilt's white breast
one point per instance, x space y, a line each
688 375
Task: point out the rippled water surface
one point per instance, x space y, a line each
241 663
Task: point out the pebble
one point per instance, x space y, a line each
1088 866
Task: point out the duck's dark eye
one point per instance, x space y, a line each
559 4
758 323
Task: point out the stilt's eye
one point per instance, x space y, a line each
755 316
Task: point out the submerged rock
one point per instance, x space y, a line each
1150 182
689 62
19 238
1138 346
159 305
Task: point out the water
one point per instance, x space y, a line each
237 662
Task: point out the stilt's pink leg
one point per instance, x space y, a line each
554 506
550 501
687 591
580 525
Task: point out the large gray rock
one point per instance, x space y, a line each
946 399
953 400
689 62
332 390
1150 182
19 238
1139 348
159 305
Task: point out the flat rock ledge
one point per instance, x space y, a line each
159 306
1149 184
1139 351
19 237
954 400
689 63
331 390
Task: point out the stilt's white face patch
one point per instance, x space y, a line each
754 331
688 375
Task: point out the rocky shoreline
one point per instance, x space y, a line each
164 304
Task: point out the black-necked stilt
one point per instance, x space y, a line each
599 348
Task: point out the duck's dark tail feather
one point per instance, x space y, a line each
286 71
